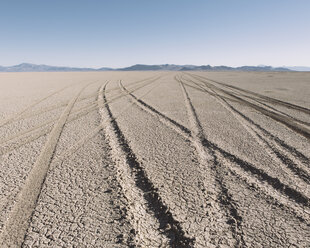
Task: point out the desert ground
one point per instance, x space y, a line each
155 159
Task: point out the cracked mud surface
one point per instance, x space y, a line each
155 159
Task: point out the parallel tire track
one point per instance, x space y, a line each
33 134
254 98
15 227
260 102
270 99
258 175
162 118
22 116
12 117
221 194
287 121
42 125
269 185
45 124
29 137
85 139
50 108
277 149
142 195
289 149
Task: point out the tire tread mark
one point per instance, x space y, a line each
259 101
14 229
224 198
12 117
262 102
85 139
37 133
287 121
163 118
280 142
169 227
270 99
273 144
279 200
43 125
259 174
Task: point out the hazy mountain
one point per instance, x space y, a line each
299 68
168 67
104 69
26 67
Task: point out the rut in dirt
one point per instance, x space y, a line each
249 170
168 226
213 170
279 150
14 229
287 121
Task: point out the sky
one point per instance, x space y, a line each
119 33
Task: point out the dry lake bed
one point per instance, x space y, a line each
155 159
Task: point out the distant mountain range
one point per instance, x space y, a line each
299 68
26 67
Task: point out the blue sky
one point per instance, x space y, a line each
117 33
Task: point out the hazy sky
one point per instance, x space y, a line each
116 33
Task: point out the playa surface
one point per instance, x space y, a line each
155 159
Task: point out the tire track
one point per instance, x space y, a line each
34 134
27 138
261 179
163 118
258 175
16 226
260 102
57 106
85 139
246 171
292 150
254 183
287 121
269 99
278 150
51 108
42 125
49 122
80 143
12 117
140 192
214 178
257 100
22 115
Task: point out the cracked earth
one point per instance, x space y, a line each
155 159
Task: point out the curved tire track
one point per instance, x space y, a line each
15 227
214 178
35 133
142 195
85 139
258 175
258 178
163 118
281 152
269 99
12 117
43 125
284 120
